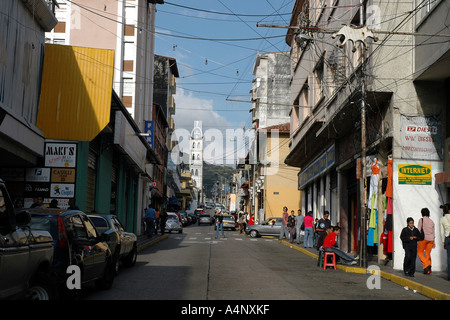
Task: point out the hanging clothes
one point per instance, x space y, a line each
372 233
374 178
389 186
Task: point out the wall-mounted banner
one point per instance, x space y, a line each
414 174
63 155
421 138
63 175
317 167
62 190
37 175
150 129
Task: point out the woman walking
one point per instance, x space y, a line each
425 245
308 221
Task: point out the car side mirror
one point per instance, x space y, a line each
23 218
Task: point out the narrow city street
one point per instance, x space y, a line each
196 266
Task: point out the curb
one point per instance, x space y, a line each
150 243
412 285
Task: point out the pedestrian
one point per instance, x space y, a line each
219 224
54 204
445 234
425 245
284 228
241 222
298 224
245 220
410 235
308 241
162 220
321 229
18 204
72 205
150 218
251 220
39 203
330 245
291 226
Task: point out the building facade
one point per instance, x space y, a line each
196 155
360 122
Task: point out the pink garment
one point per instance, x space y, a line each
308 221
428 228
285 217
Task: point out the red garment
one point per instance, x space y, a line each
389 187
251 221
330 240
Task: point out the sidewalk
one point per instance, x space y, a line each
435 286
144 242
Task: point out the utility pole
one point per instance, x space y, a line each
362 182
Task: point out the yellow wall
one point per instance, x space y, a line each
281 185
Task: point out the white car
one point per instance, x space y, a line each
173 223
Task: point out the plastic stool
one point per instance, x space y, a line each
325 260
320 259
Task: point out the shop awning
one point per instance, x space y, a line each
75 98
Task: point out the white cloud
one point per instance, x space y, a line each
217 147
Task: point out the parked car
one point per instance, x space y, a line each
122 244
205 219
76 242
173 223
25 255
270 227
193 217
228 222
184 218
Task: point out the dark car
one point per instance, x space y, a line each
270 227
122 244
76 242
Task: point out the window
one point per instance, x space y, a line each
76 227
91 232
117 224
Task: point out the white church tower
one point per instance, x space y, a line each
196 155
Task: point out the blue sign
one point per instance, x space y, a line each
318 167
150 129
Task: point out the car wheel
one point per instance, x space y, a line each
130 260
43 287
106 282
180 231
253 233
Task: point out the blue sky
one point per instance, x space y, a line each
213 72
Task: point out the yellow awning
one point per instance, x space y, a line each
76 89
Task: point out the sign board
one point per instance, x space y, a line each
414 174
63 155
318 167
62 190
63 175
421 138
37 174
150 129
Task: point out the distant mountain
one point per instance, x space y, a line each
213 173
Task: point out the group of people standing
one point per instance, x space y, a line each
293 225
421 240
153 219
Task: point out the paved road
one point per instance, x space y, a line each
195 266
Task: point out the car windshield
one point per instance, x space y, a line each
100 223
172 217
231 218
